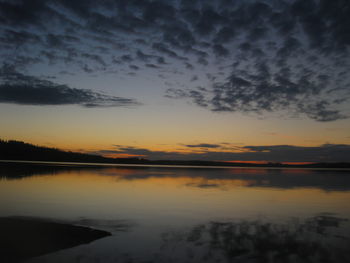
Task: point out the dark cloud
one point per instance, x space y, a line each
19 38
194 78
189 66
134 67
20 13
96 58
165 50
257 33
203 145
308 37
218 152
55 41
175 93
22 89
321 111
324 153
178 34
320 20
224 35
263 92
208 20
157 10
161 61
220 51
25 61
290 46
202 61
138 152
87 69
142 56
198 98
126 58
149 65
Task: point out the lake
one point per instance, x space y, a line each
184 214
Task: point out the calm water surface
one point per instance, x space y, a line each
189 214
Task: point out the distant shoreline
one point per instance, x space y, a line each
16 151
164 165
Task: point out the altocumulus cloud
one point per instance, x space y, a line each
262 56
18 88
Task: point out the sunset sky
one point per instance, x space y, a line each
250 80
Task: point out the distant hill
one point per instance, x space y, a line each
17 150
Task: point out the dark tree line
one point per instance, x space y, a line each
17 150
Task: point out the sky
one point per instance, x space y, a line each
247 80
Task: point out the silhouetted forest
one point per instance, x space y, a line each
17 150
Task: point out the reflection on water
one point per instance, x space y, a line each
188 215
329 180
312 240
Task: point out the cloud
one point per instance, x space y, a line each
134 67
224 35
149 65
99 59
173 93
22 13
142 56
18 38
225 152
22 89
297 40
323 153
208 20
321 111
259 90
165 50
220 51
203 145
55 41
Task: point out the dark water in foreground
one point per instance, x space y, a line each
189 215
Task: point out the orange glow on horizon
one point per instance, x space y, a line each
123 155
